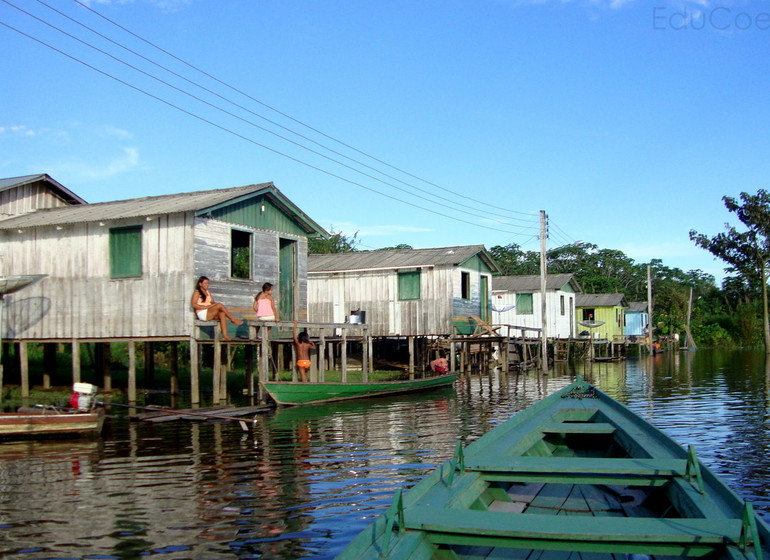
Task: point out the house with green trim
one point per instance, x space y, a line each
607 309
127 268
517 301
403 292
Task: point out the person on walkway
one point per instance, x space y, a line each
206 309
264 305
303 346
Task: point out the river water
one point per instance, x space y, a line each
305 480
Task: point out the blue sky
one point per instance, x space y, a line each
451 122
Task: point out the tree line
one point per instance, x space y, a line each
733 314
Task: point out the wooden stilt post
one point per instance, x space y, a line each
75 361
344 355
216 370
195 393
24 366
322 357
131 371
106 366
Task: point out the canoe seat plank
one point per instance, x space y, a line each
578 428
571 528
577 465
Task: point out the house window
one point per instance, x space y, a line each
465 285
524 305
240 254
561 304
588 314
408 284
126 252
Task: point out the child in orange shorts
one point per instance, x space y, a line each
303 345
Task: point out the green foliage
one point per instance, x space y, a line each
400 246
337 242
747 253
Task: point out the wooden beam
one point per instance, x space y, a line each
131 371
195 394
75 361
24 366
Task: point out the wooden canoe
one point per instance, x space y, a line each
46 422
293 393
620 487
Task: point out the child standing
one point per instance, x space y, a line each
303 346
264 305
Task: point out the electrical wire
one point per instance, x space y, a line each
283 114
241 136
445 202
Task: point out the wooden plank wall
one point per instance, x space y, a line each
212 259
376 292
78 299
27 198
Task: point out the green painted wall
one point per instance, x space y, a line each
250 213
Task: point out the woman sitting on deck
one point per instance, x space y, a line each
206 309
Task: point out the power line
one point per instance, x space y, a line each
246 120
241 136
298 144
279 112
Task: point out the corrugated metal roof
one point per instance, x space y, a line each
135 207
398 258
531 283
64 192
637 307
599 300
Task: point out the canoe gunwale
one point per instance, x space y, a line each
277 389
452 505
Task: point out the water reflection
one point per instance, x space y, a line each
307 479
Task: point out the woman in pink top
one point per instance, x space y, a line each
264 305
206 309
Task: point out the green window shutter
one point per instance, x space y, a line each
524 304
126 252
409 285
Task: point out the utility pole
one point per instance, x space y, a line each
543 276
649 308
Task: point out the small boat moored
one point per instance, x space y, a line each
294 393
81 418
620 487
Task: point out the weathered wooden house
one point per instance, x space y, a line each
636 319
21 195
127 269
409 292
609 309
517 301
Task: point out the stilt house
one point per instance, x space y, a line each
404 292
517 301
127 269
636 319
608 309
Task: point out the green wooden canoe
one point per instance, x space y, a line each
291 393
576 476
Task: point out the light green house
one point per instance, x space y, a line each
601 315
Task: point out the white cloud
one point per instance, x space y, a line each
21 130
82 171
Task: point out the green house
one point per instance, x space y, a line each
600 315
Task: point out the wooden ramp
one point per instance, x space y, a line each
199 414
